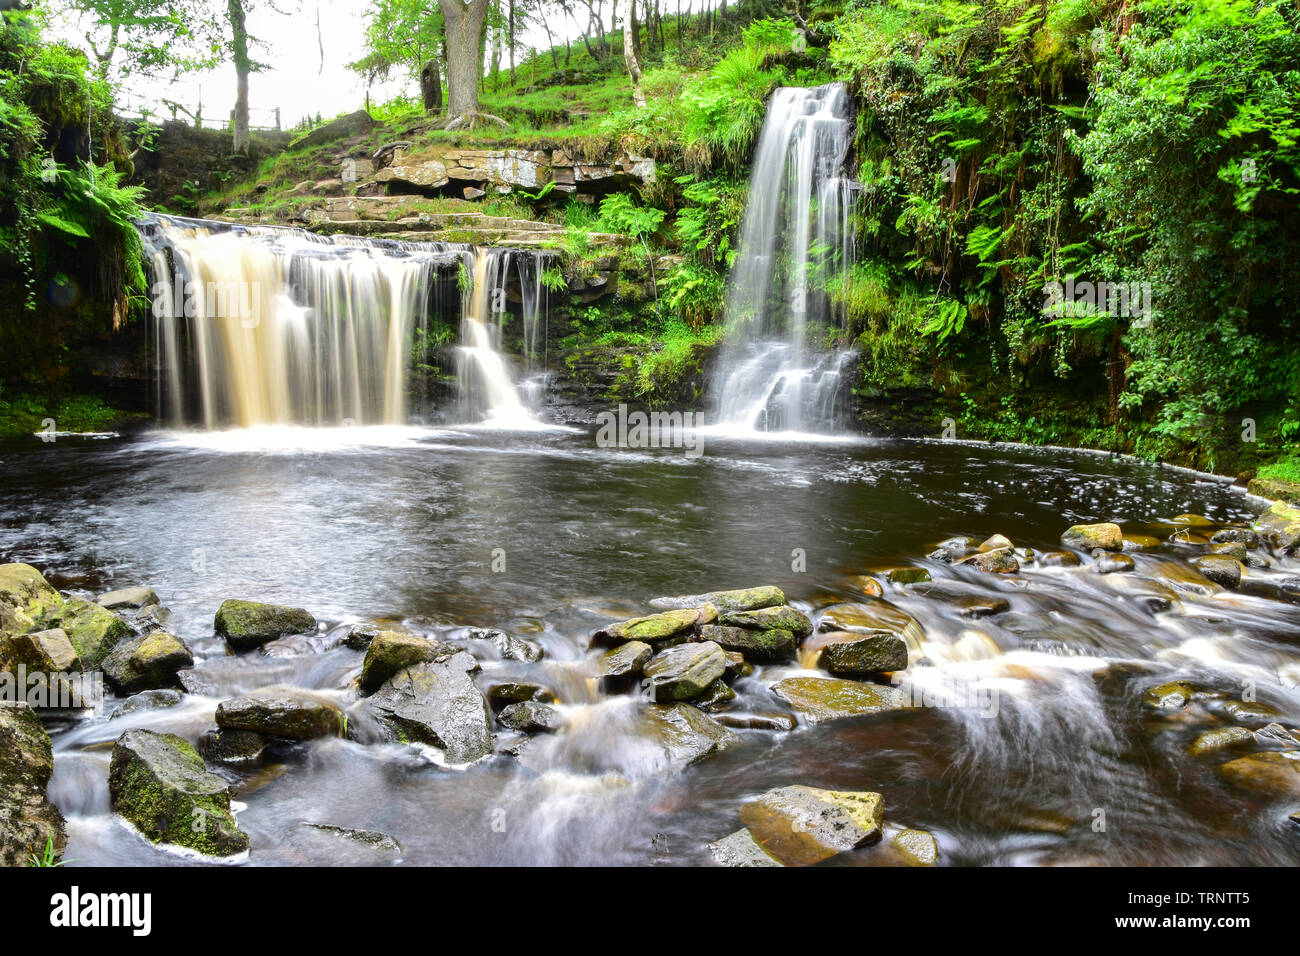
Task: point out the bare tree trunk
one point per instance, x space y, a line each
550 40
431 87
243 66
511 40
463 23
629 54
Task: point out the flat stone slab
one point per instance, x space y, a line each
827 698
800 826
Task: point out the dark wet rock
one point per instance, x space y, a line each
954 549
27 601
49 652
152 617
1242 536
737 666
625 660
374 839
1174 695
1189 537
1252 713
531 717
1281 524
1107 563
128 599
246 624
159 784
1221 738
1001 561
800 826
393 651
281 712
1085 537
1275 735
510 648
436 704
1059 559
917 847
1219 569
1231 549
233 748
518 692
744 599
28 821
908 575
658 628
763 646
817 699
982 605
360 636
872 616
1273 772
716 696
771 722
855 654
94 631
868 585
686 734
740 849
198 682
148 700
683 672
147 662
780 618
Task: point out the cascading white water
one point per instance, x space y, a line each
267 325
796 234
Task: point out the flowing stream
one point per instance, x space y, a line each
407 525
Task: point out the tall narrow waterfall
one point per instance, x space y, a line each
777 373
258 325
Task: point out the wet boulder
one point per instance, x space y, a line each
667 626
800 826
871 616
714 697
128 599
1281 524
684 671
147 662
1221 569
233 748
995 543
954 549
247 625
741 849
854 654
626 660
775 644
780 618
29 823
1085 537
281 712
744 599
436 704
907 575
1242 536
685 733
518 692
511 648
531 717
1221 738
820 698
1108 563
27 601
1274 772
158 782
49 652
1059 559
393 651
94 631
916 847
145 701
1172 695
998 561
776 723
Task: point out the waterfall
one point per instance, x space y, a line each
258 325
776 373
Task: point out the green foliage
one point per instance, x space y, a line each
619 214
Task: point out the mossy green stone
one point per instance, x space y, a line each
1220 739
783 618
94 631
1088 536
771 645
27 601
248 624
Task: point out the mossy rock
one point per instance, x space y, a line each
1275 489
159 783
28 821
531 717
999 561
1104 535
1173 695
781 618
1223 570
817 699
767 646
685 733
685 671
853 654
625 660
27 601
247 624
1281 523
94 631
800 826
741 849
742 599
916 847
49 652
276 712
393 651
654 628
1221 738
147 662
1274 773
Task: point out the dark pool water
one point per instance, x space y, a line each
549 537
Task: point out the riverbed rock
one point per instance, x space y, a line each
94 631
374 839
776 723
981 605
907 575
779 618
281 712
1059 559
393 651
684 671
954 549
1220 569
29 823
744 599
1275 735
686 734
518 692
854 654
1085 537
247 624
714 697
1221 738
27 601
763 646
995 543
233 748
872 616
531 717
625 660
1107 563
1281 524
436 704
1172 695
128 599
147 700
159 784
147 662
1001 561
1231 549
511 648
658 628
821 698
800 826
917 847
1273 772
49 652
740 849
1242 536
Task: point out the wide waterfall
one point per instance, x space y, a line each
777 372
258 325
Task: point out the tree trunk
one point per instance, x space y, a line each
431 87
463 23
510 39
243 66
630 54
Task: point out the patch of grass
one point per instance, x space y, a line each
22 415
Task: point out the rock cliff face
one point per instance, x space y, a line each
472 172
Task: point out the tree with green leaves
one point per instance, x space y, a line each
404 39
136 37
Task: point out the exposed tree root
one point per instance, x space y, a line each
473 120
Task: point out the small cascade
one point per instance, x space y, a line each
775 374
267 325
